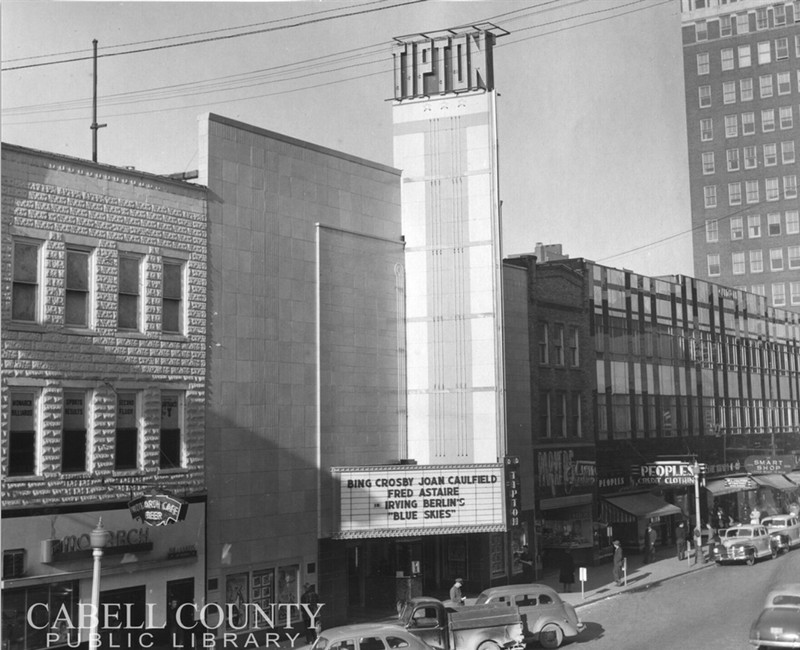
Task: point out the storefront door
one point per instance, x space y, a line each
132 609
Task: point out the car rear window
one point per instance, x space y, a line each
786 599
371 643
345 644
396 642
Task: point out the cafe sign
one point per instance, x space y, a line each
769 464
158 509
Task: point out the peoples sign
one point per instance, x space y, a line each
666 473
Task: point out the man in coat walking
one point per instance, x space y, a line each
650 537
680 541
619 561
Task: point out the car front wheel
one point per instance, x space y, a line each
774 552
751 558
551 636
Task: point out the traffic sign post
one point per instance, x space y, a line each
582 578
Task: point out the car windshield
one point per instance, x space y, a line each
739 532
480 600
775 522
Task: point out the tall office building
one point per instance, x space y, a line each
742 77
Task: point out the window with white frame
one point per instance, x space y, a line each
792 222
732 157
704 96
794 290
797 39
750 157
574 348
712 230
708 162
729 92
129 305
764 53
734 193
776 259
702 63
756 261
781 48
765 88
787 152
701 30
744 56
785 119
544 414
726 58
710 196
768 120
746 89
737 263
172 297
790 186
731 126
171 437
770 154
74 438
737 228
544 343
759 289
23 439
778 294
779 14
558 344
126 448
784 81
772 191
706 130
712 261
793 257
725 25
25 282
762 22
751 191
576 426
78 296
742 27
754 226
774 224
748 123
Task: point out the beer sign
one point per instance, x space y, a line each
158 509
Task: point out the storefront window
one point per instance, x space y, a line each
263 586
18 635
236 595
288 584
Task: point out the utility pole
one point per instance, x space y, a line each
95 125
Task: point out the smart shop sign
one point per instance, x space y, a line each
669 473
398 500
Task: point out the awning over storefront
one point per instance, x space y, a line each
794 477
565 502
643 505
775 481
720 486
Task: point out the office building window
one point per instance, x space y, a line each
731 126
792 222
129 306
726 58
704 96
778 294
712 230
544 343
712 260
748 123
171 426
558 344
22 432
734 193
742 27
710 196
560 414
754 226
74 434
774 224
78 297
732 156
708 162
759 289
768 120
779 15
126 452
737 228
785 117
751 191
764 53
750 157
782 48
761 19
574 350
776 259
790 187
725 25
729 92
544 414
793 255
737 263
765 86
784 83
787 152
25 282
744 56
794 289
746 89
756 261
576 419
770 154
701 30
772 191
702 63
706 130
797 38
172 299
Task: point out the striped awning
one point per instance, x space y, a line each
775 481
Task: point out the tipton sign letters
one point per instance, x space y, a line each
669 473
390 501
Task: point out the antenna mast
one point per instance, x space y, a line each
95 125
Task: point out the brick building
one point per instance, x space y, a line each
103 386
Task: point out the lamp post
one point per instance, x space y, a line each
698 540
98 538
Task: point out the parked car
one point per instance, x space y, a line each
778 625
785 529
368 636
744 544
546 618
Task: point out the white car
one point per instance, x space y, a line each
784 529
744 543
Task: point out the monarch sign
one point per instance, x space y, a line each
158 509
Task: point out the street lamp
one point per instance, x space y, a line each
696 472
98 538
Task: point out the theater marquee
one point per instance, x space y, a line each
402 500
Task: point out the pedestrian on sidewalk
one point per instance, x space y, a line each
619 561
311 599
680 541
566 573
526 561
455 592
650 537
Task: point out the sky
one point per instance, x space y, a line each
591 115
